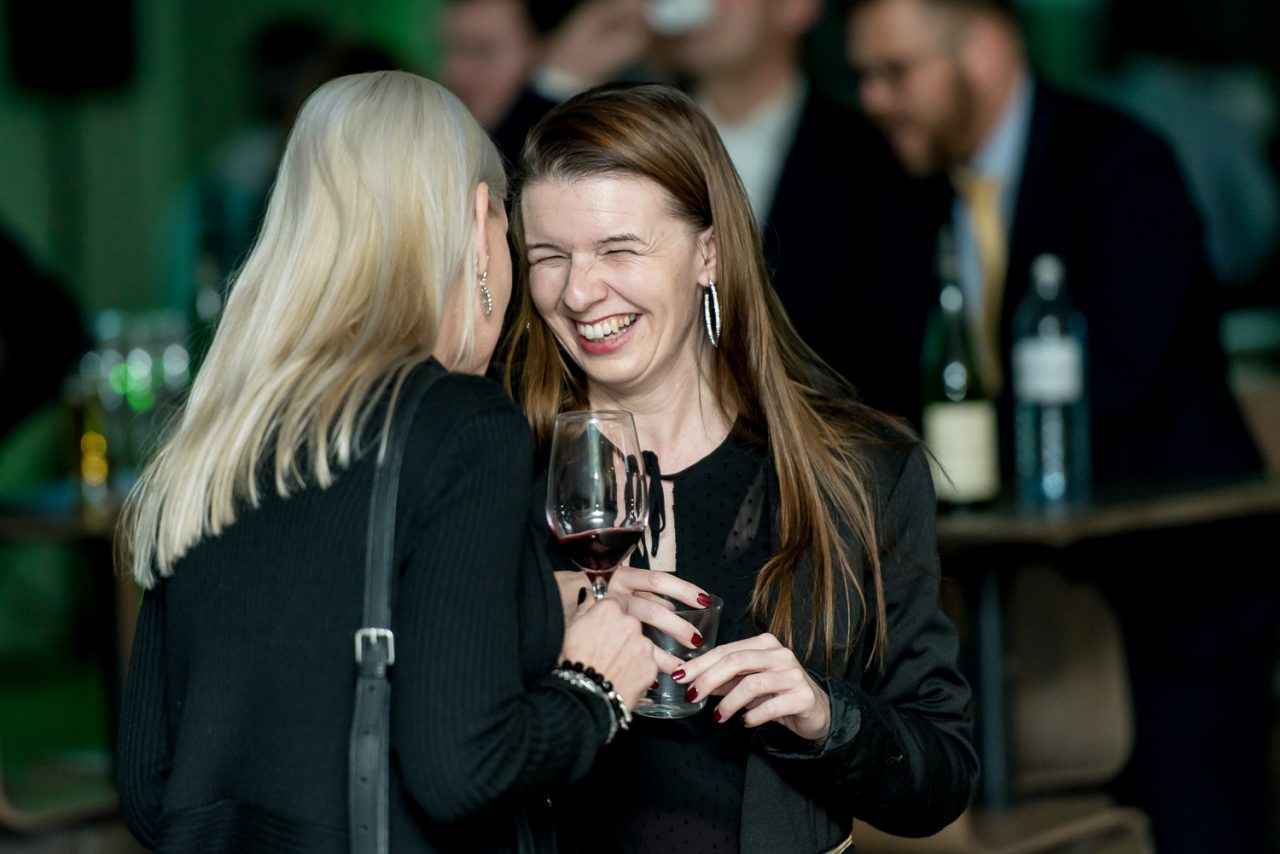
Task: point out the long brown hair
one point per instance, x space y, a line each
761 370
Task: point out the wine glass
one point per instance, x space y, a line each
597 495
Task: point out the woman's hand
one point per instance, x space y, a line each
640 591
605 638
762 678
645 589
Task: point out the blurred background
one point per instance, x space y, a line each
137 141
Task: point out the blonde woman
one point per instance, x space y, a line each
384 243
834 691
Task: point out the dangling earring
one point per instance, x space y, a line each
486 298
711 313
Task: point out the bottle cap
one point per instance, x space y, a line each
1047 273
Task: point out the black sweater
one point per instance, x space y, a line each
239 699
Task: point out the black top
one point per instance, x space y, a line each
238 707
676 785
898 753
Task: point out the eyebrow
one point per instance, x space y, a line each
604 241
618 238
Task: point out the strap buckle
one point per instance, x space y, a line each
373 635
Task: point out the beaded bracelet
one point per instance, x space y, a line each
620 711
582 683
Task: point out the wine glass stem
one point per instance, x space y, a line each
599 586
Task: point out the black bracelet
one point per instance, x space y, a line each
621 714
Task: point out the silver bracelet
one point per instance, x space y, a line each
583 683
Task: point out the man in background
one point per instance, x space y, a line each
1023 168
828 196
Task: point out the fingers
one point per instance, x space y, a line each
695 668
637 581
657 615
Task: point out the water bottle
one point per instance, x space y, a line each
959 416
1051 409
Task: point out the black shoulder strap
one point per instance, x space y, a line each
375 648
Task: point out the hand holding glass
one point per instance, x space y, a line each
597 495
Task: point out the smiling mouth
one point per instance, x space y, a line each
603 330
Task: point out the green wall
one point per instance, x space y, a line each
89 186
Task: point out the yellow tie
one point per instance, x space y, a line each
981 194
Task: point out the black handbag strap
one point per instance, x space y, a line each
375 649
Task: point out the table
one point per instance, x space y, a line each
90 530
987 544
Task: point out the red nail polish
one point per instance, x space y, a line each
692 694
716 713
704 600
677 675
697 639
654 686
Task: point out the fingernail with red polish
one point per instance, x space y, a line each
697 640
704 600
692 694
654 686
717 715
677 675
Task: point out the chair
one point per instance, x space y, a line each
1070 733
56 794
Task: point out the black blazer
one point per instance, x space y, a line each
1107 196
838 226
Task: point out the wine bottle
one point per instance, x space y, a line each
959 416
1051 412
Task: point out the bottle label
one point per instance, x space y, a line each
1048 370
962 439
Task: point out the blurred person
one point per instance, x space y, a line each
828 197
949 84
42 335
513 60
382 257
836 695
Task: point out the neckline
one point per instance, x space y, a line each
730 442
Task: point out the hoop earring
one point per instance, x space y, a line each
711 313
486 298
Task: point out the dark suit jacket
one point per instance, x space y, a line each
836 226
1105 195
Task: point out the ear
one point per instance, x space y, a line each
708 271
480 226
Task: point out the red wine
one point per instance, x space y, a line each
602 548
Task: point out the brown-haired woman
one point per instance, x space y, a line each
811 515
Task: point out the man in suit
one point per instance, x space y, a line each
827 194
948 83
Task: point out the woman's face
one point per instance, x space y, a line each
616 276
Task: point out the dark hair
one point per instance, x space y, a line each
761 370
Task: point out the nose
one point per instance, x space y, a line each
875 93
585 287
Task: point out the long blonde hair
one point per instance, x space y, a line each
368 229
761 369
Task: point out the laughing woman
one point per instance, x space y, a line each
834 690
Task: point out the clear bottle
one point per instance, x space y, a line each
959 415
1051 407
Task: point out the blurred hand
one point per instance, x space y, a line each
605 638
598 40
763 679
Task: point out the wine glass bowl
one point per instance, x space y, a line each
597 495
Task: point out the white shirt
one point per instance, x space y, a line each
758 144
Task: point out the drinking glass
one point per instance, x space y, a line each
668 699
597 495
